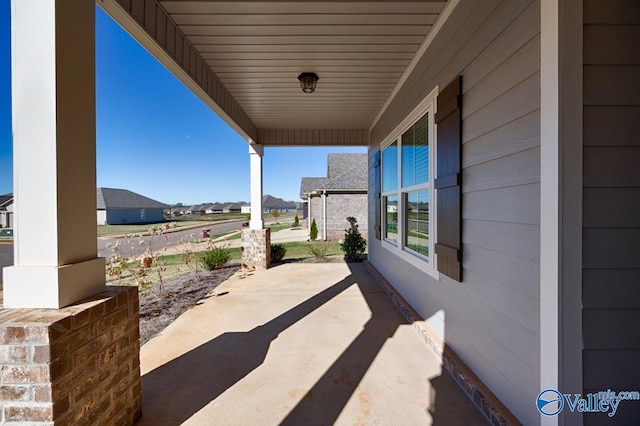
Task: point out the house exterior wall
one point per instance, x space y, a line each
102 217
339 207
490 320
611 200
317 214
118 217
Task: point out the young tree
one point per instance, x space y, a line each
313 233
353 245
276 214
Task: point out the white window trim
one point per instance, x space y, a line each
423 263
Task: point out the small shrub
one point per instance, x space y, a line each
318 250
276 214
215 258
296 222
313 233
353 245
277 252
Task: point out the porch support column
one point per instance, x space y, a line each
256 241
255 163
53 104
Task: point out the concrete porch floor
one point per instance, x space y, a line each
298 344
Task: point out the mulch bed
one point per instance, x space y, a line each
160 306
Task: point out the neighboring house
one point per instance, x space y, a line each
341 194
6 211
119 206
215 208
245 208
270 203
232 208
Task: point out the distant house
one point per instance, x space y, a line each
341 194
215 208
232 208
118 206
270 203
6 211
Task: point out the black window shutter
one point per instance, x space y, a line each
377 194
448 183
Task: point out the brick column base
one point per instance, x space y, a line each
256 248
76 365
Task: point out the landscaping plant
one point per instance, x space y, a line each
278 252
313 233
318 250
296 222
215 257
353 245
276 214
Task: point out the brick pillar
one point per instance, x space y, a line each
256 248
76 365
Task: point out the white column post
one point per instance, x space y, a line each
255 163
53 105
324 215
550 201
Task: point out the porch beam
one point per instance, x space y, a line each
53 104
313 137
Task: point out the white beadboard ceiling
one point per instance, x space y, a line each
359 49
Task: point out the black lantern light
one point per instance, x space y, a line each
308 81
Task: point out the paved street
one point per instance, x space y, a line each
173 238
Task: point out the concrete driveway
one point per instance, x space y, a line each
298 344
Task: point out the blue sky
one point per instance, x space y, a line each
155 137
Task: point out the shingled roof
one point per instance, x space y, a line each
6 199
344 172
111 198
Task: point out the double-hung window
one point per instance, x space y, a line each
407 187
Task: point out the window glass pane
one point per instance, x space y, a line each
417 221
391 218
390 167
415 153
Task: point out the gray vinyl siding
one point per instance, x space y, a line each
491 320
611 194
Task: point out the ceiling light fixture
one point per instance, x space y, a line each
308 81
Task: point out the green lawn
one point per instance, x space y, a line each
175 266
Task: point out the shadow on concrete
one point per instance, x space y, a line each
215 366
188 383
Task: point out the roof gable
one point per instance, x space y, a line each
344 172
111 198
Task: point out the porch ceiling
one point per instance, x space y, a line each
256 50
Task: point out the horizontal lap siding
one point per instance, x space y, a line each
491 320
611 222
